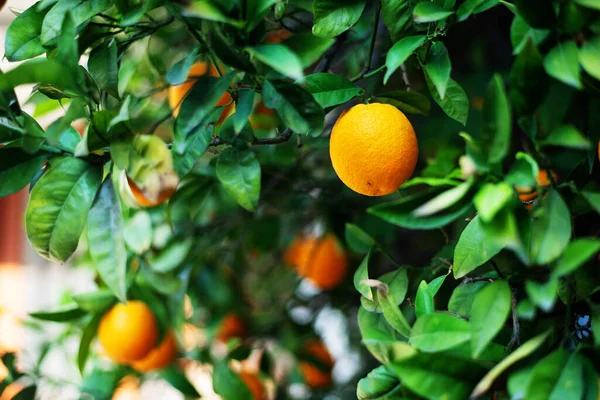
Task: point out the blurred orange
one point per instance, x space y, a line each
232 326
160 357
317 377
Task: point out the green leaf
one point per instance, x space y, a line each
576 254
397 282
103 67
106 241
528 81
429 12
379 384
542 294
362 274
521 33
357 239
17 168
408 102
23 35
239 173
67 43
444 200
176 378
438 67
561 63
400 212
392 313
308 47
58 207
436 284
424 300
95 302
472 249
566 136
490 310
88 335
296 107
63 314
517 383
463 297
438 332
470 7
178 73
280 58
39 70
551 229
334 17
537 13
206 10
589 57
193 148
430 375
330 89
171 257
377 335
521 352
243 109
589 3
198 106
497 120
81 11
556 377
593 199
228 384
455 103
491 198
397 17
138 232
400 52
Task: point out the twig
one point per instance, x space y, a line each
405 77
478 279
368 74
329 55
496 269
515 339
455 315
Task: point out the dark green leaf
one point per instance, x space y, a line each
561 63
39 70
179 381
357 239
330 89
63 314
488 315
566 136
178 73
67 43
103 67
542 294
17 168
106 241
521 33
280 58
88 335
400 52
194 147
472 249
379 384
491 198
95 302
497 120
397 17
308 47
408 102
59 205
138 232
333 17
438 67
455 104
424 300
228 384
239 173
556 377
463 296
576 254
243 109
528 81
537 13
295 106
23 35
362 274
429 12
81 11
438 331
474 7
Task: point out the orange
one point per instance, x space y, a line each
232 326
528 195
160 357
141 198
322 260
314 376
254 385
373 149
128 332
177 93
263 117
277 36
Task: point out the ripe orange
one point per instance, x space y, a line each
277 36
527 195
232 326
322 260
314 376
160 357
177 93
373 149
141 198
128 332
254 385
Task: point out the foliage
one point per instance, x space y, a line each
462 290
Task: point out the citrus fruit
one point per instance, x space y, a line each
317 376
254 385
528 195
160 357
177 93
263 117
141 198
277 36
128 332
232 326
373 149
322 260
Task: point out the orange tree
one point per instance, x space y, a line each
203 168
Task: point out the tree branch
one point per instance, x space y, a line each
515 340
